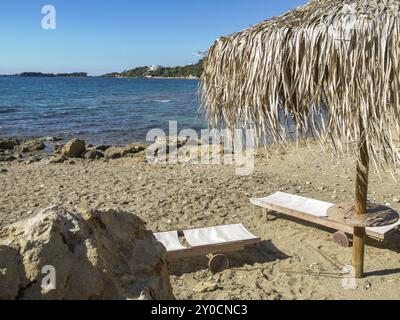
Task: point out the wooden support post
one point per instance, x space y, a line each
358 251
361 204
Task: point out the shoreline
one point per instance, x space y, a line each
173 78
91 77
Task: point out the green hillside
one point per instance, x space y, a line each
189 71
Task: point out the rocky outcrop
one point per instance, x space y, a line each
74 148
51 139
92 154
30 146
7 157
91 255
177 141
36 149
26 150
8 144
164 146
120 152
101 148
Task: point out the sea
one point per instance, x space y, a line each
112 111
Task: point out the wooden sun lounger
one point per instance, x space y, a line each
314 211
213 241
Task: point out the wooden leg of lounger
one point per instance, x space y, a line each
358 251
218 263
342 239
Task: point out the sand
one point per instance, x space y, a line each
288 264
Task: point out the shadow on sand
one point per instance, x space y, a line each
264 252
391 242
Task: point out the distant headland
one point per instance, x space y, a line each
192 71
49 75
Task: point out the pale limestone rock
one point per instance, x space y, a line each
96 255
74 148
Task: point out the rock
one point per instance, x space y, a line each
51 139
120 152
8 144
74 148
102 147
58 148
113 153
30 146
92 154
166 145
91 255
3 170
58 159
203 287
7 158
173 140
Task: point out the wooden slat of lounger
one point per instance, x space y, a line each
299 204
323 221
371 232
214 248
306 217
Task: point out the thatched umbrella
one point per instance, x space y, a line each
331 68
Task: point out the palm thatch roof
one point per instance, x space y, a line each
331 66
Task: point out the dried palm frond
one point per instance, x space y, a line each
326 69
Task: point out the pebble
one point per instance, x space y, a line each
3 170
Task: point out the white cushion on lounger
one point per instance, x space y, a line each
308 206
170 240
300 204
217 235
386 229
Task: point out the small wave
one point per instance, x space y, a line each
8 110
133 101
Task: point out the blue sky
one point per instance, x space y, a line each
100 36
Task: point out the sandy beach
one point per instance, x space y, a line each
288 264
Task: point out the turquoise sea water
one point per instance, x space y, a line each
99 110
